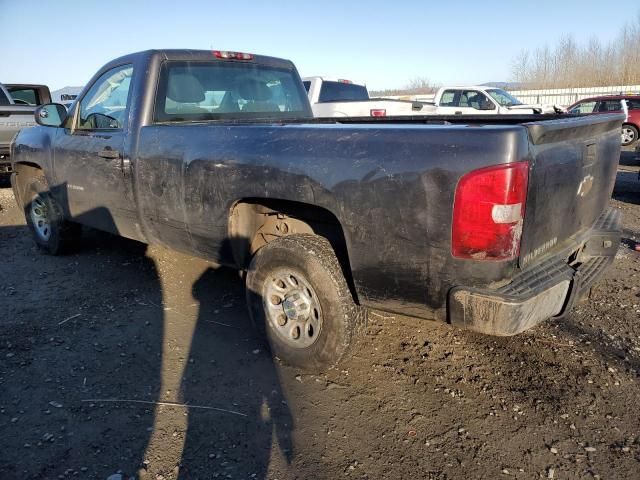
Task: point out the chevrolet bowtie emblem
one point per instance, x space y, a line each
585 186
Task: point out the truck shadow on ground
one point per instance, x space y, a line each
630 158
607 350
147 359
627 187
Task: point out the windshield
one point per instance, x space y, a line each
342 92
504 99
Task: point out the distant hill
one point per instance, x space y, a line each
504 85
55 95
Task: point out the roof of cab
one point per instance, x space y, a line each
202 55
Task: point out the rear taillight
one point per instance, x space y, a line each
488 212
378 112
232 55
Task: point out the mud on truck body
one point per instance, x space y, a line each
490 223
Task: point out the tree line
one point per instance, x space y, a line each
416 86
593 64
566 64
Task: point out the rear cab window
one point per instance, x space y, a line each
25 96
218 90
342 92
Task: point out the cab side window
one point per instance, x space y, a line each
633 104
584 107
448 99
465 95
477 100
610 106
104 106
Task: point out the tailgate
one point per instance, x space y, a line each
574 163
12 119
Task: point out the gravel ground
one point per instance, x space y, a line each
100 350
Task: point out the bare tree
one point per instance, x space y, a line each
568 64
415 86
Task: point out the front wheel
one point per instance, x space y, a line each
629 134
298 297
51 232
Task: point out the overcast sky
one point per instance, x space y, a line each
382 43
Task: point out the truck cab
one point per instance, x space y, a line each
337 97
474 100
17 103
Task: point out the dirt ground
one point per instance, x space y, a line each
101 349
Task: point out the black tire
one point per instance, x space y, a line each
313 259
62 236
632 136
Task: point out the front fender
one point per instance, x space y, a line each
34 146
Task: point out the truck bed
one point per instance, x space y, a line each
12 119
423 119
391 184
443 119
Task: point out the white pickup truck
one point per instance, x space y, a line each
474 100
343 98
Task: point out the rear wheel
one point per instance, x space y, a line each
629 134
298 297
51 232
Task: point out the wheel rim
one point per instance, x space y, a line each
628 135
292 308
40 218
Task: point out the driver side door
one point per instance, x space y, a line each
91 164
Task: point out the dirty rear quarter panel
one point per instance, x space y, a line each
390 186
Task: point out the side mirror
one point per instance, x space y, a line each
50 115
487 105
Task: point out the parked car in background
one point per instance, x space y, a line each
613 104
17 104
454 218
343 98
472 100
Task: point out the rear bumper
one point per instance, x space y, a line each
548 289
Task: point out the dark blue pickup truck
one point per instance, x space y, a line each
491 223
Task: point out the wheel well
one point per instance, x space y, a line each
254 222
28 168
24 171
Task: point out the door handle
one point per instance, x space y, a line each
109 153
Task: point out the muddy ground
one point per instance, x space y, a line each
91 342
